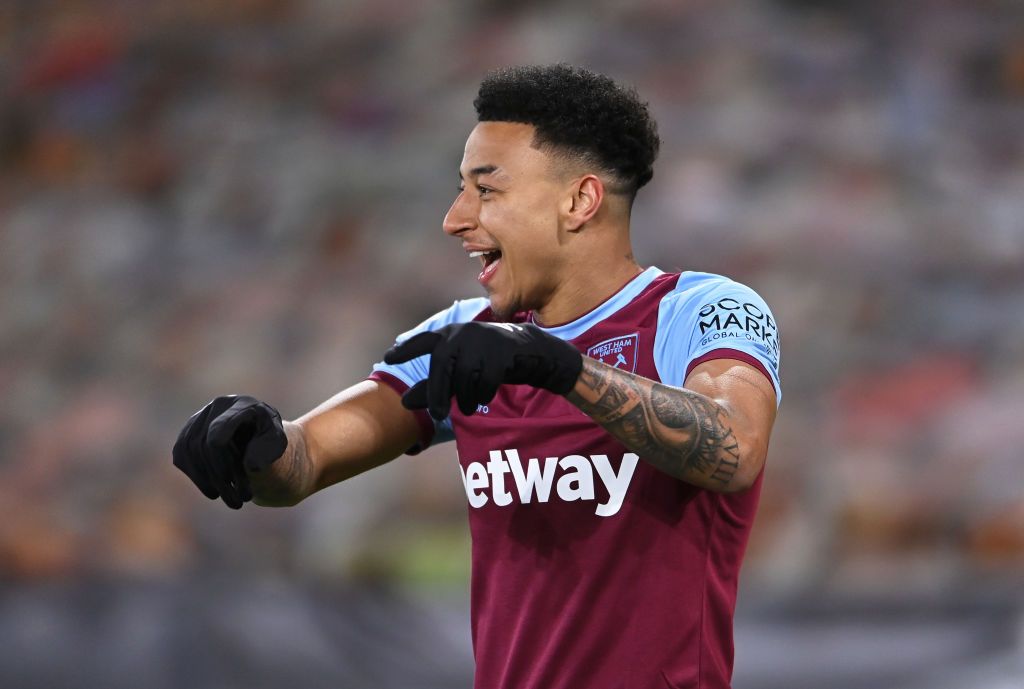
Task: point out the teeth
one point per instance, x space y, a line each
478 253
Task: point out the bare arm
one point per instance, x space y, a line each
360 428
712 433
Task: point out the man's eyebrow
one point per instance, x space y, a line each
480 170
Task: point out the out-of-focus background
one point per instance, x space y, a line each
209 196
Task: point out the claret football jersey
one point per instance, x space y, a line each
591 569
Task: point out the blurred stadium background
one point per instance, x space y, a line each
211 196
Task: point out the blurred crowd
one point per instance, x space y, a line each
212 196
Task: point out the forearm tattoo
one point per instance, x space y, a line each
679 431
288 480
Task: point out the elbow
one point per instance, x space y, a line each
742 451
746 466
746 475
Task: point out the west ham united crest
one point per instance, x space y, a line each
618 352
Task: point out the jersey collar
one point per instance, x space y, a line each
629 292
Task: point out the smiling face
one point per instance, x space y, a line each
509 208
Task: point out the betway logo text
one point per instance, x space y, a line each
534 481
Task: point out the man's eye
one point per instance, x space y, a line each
482 191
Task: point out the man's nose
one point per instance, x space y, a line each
460 217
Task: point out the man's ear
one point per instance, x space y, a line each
586 196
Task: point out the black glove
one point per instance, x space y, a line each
470 361
222 441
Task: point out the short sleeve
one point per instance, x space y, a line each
401 377
711 317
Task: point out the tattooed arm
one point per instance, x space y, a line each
712 433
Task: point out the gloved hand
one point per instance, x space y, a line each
471 360
225 439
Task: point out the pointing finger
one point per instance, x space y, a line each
439 384
465 384
415 346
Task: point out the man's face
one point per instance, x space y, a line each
508 209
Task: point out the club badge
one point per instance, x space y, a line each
618 352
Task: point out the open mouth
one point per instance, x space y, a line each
489 257
491 260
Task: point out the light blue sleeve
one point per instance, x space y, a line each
709 312
412 372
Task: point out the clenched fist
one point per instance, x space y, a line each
225 441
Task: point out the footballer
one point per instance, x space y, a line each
611 420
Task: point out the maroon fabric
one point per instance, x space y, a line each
563 598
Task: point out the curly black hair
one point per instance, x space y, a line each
578 113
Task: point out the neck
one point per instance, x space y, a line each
582 291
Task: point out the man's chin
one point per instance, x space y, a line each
504 309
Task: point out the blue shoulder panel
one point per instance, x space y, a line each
706 312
